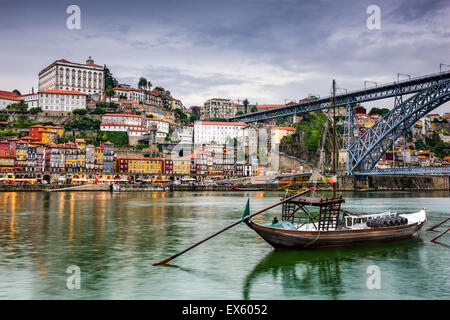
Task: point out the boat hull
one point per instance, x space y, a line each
294 239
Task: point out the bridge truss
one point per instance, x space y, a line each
428 92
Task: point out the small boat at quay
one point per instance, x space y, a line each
248 189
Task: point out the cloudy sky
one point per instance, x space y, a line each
267 51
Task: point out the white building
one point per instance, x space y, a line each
6 98
207 132
161 125
65 75
218 108
184 134
31 99
125 119
135 125
133 94
56 100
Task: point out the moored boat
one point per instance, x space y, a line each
248 189
302 227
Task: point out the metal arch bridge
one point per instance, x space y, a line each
429 92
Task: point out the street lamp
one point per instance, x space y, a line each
402 74
443 64
368 81
342 89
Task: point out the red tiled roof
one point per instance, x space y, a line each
8 95
221 123
266 106
126 102
87 64
285 128
125 125
122 115
63 92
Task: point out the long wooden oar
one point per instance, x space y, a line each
441 234
230 226
437 225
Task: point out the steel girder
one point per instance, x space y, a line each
444 170
395 89
367 150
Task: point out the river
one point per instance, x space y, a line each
114 238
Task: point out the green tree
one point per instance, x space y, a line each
193 118
35 110
99 110
312 127
245 103
23 122
380 111
109 92
239 113
110 81
17 92
119 138
254 109
142 84
80 112
18 106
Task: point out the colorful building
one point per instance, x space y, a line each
45 134
98 159
55 158
7 161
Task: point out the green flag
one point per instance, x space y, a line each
247 210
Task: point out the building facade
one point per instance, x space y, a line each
87 78
207 132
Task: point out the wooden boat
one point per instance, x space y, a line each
248 189
317 222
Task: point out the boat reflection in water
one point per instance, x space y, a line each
330 273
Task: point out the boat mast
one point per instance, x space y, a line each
334 136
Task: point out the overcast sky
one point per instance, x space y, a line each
264 50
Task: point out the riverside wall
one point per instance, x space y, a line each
345 183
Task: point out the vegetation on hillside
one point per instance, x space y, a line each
84 123
18 106
380 111
23 122
312 126
435 144
118 138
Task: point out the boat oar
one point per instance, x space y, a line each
230 226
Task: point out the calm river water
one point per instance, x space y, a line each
114 239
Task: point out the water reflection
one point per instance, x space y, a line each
322 272
114 238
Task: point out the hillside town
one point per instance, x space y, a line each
82 123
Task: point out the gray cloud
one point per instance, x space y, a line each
265 50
